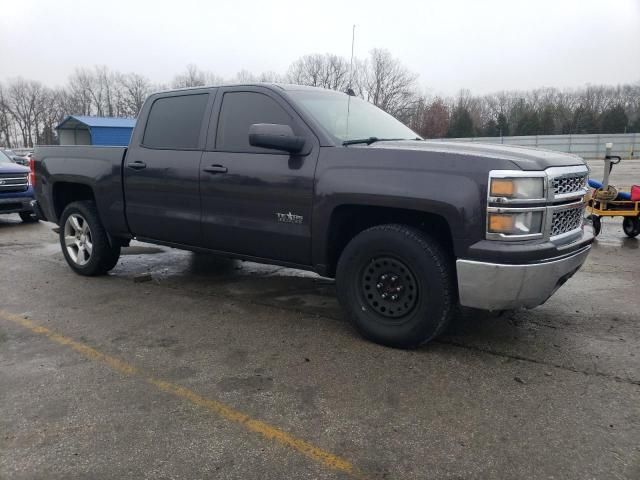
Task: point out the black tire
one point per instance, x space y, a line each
28 217
631 226
597 224
103 256
411 257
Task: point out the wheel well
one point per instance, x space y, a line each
64 193
349 220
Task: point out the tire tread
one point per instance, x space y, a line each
439 257
106 255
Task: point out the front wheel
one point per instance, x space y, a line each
84 241
631 226
397 284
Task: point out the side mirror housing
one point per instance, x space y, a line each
276 137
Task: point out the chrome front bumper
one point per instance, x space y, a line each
495 286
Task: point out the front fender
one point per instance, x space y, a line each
457 198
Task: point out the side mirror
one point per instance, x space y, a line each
274 136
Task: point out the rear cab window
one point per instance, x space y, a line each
175 122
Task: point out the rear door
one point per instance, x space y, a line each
161 171
256 201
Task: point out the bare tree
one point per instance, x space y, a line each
30 111
5 119
192 77
53 112
271 77
79 99
385 82
94 92
106 88
211 78
326 71
431 119
306 70
135 89
23 101
244 76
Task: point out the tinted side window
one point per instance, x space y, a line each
175 122
239 111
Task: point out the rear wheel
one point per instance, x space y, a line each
397 285
84 241
28 217
631 226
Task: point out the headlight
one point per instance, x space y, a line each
516 223
523 188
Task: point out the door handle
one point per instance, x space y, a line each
216 169
137 165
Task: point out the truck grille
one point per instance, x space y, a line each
569 183
13 182
566 220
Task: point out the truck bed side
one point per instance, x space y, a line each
69 173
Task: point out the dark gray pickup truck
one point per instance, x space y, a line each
324 181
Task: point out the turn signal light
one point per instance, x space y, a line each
502 187
501 223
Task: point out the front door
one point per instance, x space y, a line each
256 201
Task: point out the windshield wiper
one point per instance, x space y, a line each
369 140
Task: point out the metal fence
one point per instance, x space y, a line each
589 147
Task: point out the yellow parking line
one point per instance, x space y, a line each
270 432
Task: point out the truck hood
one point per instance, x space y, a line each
525 158
13 168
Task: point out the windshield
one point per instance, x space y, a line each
4 158
351 118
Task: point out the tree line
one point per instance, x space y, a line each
30 111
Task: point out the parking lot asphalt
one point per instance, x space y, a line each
210 368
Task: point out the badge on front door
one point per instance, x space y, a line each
289 218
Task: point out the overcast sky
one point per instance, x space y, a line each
485 46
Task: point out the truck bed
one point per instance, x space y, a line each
74 157
99 168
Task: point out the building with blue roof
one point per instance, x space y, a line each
86 130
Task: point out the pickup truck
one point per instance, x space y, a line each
16 191
324 181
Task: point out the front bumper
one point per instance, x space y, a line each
496 286
16 205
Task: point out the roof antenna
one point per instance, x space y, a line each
350 91
353 41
